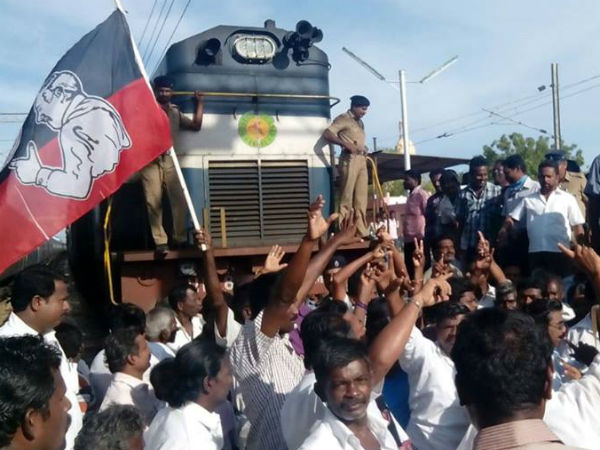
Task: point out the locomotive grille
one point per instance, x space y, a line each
265 201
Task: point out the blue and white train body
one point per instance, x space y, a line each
259 159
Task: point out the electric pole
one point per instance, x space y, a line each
555 106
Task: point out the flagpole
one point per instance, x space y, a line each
119 6
171 151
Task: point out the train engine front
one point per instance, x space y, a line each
259 158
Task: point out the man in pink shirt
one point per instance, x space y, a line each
413 222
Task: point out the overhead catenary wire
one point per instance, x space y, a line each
468 129
532 98
162 26
147 22
164 50
162 8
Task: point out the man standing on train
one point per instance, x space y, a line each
348 131
160 174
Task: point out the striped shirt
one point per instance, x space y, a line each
266 370
479 213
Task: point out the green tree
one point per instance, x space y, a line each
531 150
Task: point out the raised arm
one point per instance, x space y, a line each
318 263
588 260
214 294
296 271
196 123
389 344
341 277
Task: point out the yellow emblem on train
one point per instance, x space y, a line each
257 130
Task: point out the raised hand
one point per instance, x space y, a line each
367 284
440 268
317 224
436 290
203 238
418 256
347 234
584 256
383 235
483 246
583 353
273 260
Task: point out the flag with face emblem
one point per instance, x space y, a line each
92 125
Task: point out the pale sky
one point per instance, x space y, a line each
505 49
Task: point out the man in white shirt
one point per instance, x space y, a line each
161 328
503 377
40 301
123 315
344 383
437 420
128 357
32 395
187 305
552 217
264 362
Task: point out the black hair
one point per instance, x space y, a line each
240 300
459 287
447 310
449 175
515 162
378 316
127 315
35 280
118 346
354 282
414 174
181 379
501 361
110 429
477 161
26 381
178 294
335 353
443 237
530 283
541 308
319 325
548 163
261 290
70 338
162 81
436 171
333 306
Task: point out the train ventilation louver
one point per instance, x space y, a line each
264 202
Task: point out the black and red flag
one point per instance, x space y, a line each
93 124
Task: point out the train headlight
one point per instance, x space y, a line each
254 49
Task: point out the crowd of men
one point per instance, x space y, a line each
477 330
492 345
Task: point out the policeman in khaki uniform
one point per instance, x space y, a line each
160 174
571 182
348 131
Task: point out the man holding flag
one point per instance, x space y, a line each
94 123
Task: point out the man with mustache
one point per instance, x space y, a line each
32 395
40 300
551 217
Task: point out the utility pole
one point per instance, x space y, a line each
555 106
374 144
405 141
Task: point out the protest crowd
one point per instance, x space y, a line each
472 326
491 345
